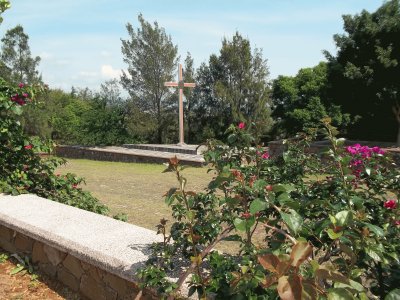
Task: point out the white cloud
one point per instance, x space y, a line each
108 72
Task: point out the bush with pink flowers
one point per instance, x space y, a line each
306 227
22 169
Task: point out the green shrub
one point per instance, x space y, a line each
307 228
22 168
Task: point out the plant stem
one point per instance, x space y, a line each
292 239
189 270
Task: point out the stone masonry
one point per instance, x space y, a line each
92 254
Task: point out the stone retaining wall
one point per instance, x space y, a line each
90 281
123 155
92 254
276 148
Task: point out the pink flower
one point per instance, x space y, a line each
351 150
378 150
397 222
356 162
17 99
390 204
21 85
265 155
241 125
28 147
25 95
74 186
246 215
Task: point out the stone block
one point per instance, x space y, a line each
96 273
23 243
48 269
68 279
73 265
8 246
110 294
53 255
85 266
38 254
116 283
92 289
5 234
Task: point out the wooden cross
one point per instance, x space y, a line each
180 84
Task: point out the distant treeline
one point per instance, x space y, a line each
358 87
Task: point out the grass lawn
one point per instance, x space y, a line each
134 189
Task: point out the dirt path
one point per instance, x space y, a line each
25 286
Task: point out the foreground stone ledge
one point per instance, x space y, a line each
94 255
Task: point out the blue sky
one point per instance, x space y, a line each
79 41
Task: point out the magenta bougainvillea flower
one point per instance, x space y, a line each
390 204
21 85
28 147
364 151
241 125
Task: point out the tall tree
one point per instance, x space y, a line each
301 101
233 87
17 63
366 70
242 81
152 59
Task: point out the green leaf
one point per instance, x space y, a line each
373 254
358 202
293 220
17 269
375 229
169 198
240 224
344 218
334 235
339 294
393 295
283 188
259 184
257 205
333 220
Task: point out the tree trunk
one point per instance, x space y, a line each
396 111
398 134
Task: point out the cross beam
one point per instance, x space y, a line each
180 85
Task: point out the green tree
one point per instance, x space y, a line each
152 59
232 87
209 114
17 64
242 81
365 72
301 101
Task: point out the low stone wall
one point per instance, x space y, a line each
92 254
90 281
276 148
119 154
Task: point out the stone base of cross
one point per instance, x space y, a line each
180 85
